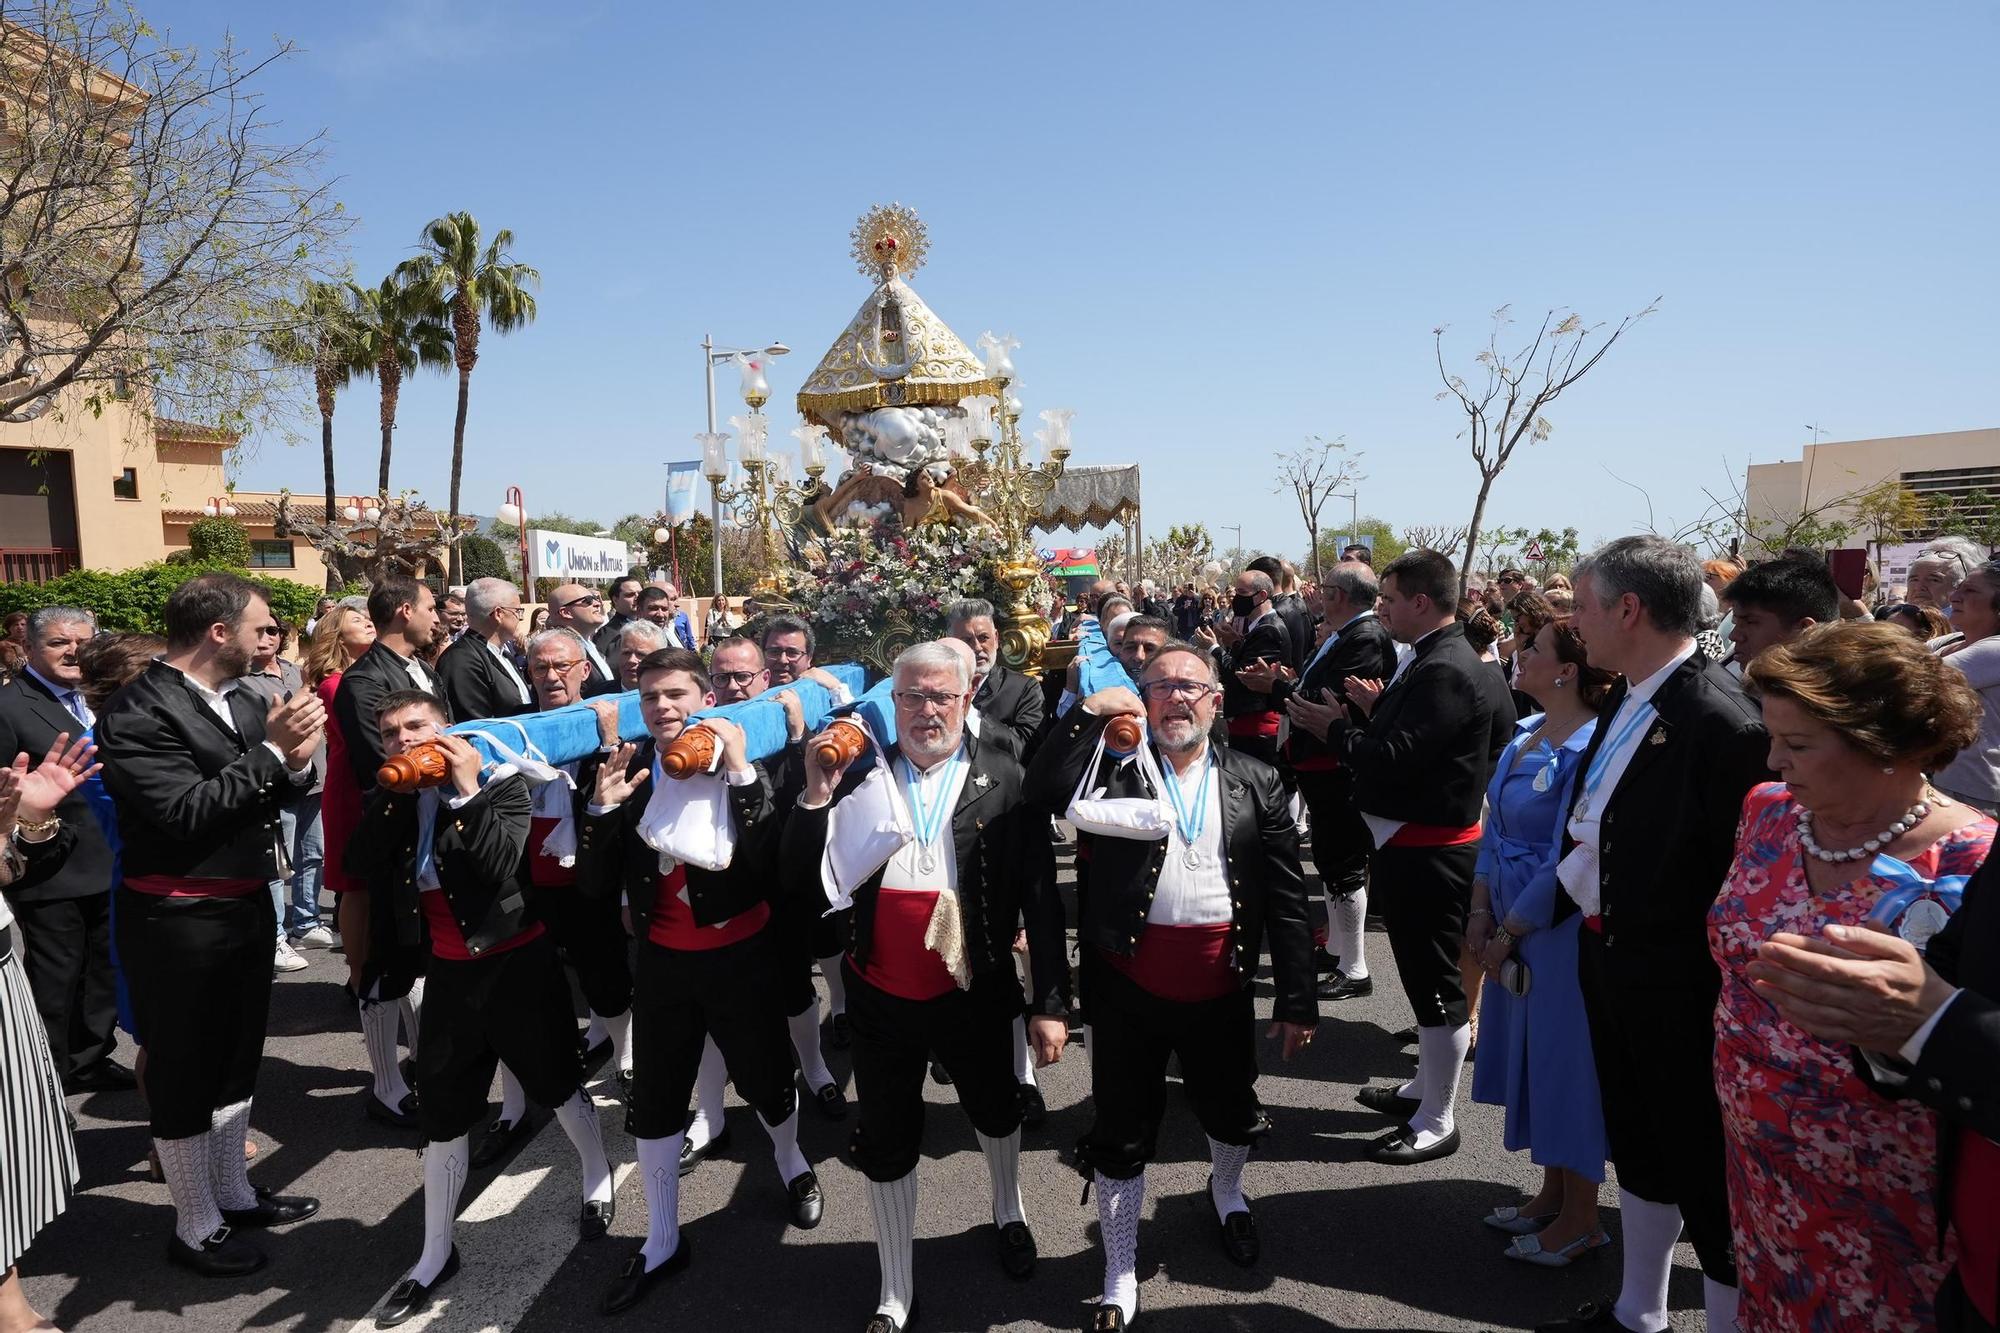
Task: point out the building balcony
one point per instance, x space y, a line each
36 564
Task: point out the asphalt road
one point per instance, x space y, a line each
1346 1243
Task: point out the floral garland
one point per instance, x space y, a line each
861 580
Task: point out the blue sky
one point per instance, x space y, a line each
1216 229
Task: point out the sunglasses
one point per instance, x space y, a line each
588 599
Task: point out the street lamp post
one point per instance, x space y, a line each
711 356
514 509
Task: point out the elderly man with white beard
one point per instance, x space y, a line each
1194 865
930 966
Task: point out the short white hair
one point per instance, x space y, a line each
556 635
933 656
640 629
483 596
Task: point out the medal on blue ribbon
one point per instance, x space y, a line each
929 820
1190 820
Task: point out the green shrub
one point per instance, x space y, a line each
136 599
481 558
218 541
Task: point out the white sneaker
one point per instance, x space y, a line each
288 959
319 937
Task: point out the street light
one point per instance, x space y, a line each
514 510
219 507
756 393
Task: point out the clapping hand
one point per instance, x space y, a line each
295 725
1362 693
1261 676
1313 718
614 782
36 792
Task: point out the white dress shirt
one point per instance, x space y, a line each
1197 895
507 665
415 670
942 782
218 704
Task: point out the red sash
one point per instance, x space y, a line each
448 941
898 960
1975 1215
1434 835
1187 964
1254 724
545 872
673 924
181 886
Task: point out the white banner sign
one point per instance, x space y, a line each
564 555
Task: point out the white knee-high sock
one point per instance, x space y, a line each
894 1205
1225 1177
1003 1167
1347 932
231 1124
1118 1206
785 1152
1650 1231
411 1007
191 1185
620 1028
444 1179
660 1172
1440 1060
836 989
1024 1059
378 1030
513 1097
578 1117
708 1084
1720 1303
805 1044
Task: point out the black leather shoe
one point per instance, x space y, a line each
410 1297
831 1101
625 1087
1592 1317
1324 963
1105 1319
839 1032
1346 988
499 1140
1385 1100
634 1281
881 1323
396 1117
807 1200
595 1218
104 1076
694 1157
1238 1233
408 1066
940 1075
1017 1250
272 1210
1399 1148
221 1255
1034 1108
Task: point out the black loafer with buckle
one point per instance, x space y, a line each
411 1297
272 1210
634 1279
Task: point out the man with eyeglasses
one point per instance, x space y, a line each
1202 873
584 921
788 648
930 966
1004 699
477 675
294 896
404 613
580 610
707 965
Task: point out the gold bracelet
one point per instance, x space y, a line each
39 830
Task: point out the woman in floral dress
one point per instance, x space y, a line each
1832 1187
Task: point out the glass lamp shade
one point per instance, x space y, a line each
229 511
750 433
812 449
1012 407
372 513
209 509
756 389
714 454
979 415
958 437
994 351
509 513
352 514
661 536
781 469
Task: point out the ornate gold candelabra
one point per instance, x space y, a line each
1015 491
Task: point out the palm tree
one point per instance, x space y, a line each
399 330
318 330
474 285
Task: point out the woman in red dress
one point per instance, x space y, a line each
1832 1188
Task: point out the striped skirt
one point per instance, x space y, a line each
37 1154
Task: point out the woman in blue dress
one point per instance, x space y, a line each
1534 1049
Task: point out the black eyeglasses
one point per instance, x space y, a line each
734 679
588 599
271 630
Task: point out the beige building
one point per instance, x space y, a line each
111 491
1956 462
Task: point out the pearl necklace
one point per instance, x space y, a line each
1912 817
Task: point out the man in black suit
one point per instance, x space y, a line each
405 617
931 965
1258 635
476 676
1009 704
1925 1025
580 610
1357 645
1174 925
1288 606
1420 765
200 770
1651 834
708 960
624 609
458 907
66 917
